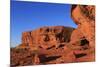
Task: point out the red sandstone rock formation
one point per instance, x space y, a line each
59 44
84 17
47 36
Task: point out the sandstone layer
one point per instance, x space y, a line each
59 44
47 36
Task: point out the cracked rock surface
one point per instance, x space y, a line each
59 44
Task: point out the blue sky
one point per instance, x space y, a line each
26 16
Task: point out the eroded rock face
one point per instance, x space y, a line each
47 36
59 44
84 17
84 34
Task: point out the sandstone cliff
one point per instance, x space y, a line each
59 44
47 36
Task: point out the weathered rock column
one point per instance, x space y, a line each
84 17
